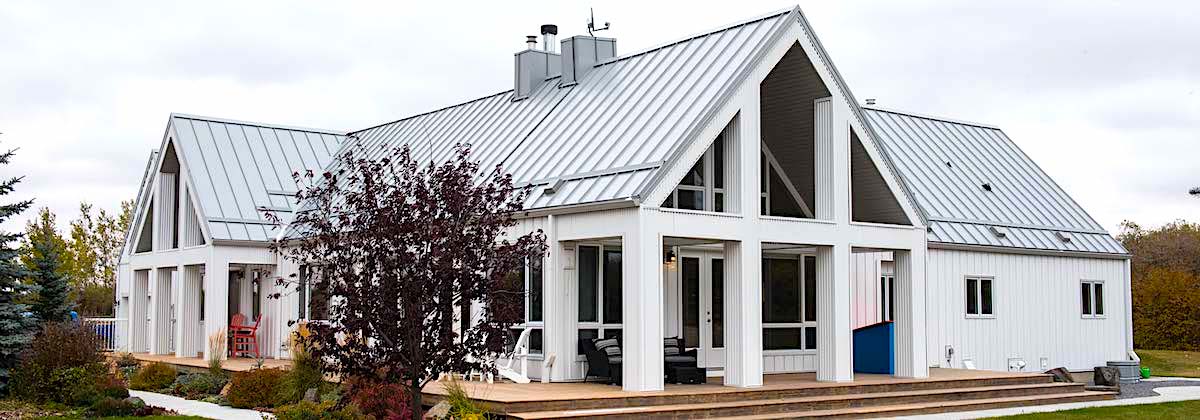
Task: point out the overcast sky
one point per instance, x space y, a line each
1103 95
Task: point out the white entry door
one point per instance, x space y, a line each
702 283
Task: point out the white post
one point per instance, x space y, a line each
911 357
216 297
642 309
138 311
834 335
160 311
187 312
743 315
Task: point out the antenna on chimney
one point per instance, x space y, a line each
591 26
870 101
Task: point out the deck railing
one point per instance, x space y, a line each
113 331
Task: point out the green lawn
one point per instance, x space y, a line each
1161 411
1171 363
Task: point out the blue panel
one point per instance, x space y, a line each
875 349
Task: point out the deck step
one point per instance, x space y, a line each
937 407
814 404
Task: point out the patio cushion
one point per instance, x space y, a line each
680 359
614 360
609 346
671 346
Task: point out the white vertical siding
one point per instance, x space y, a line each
825 159
160 311
190 338
788 361
191 232
865 269
1037 311
139 311
165 213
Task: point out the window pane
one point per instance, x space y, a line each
718 303
782 202
516 279
883 298
612 287
781 338
669 202
810 289
691 200
535 289
612 333
719 162
690 271
810 338
891 294
985 288
719 202
1099 298
762 205
695 177
781 290
535 341
301 293
586 335
1085 298
764 168
589 260
972 294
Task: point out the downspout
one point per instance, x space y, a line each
1129 312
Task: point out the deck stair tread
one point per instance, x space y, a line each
1049 388
939 406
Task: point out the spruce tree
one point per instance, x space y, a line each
16 326
43 254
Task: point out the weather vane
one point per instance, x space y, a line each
591 26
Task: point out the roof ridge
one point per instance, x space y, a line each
258 124
702 34
433 111
930 117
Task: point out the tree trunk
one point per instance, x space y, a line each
415 400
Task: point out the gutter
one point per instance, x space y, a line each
1027 251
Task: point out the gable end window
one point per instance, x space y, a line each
979 303
1091 298
703 187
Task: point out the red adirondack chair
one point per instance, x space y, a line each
244 339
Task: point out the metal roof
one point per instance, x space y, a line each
604 137
968 178
237 168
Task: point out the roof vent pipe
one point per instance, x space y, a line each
531 42
549 33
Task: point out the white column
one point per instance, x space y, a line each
743 315
909 290
139 311
188 339
216 297
834 335
642 309
160 311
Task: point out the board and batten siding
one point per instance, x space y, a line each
1036 301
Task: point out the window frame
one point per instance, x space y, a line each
709 190
979 296
535 327
804 323
598 325
1091 284
887 291
305 309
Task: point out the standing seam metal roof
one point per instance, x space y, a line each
945 163
238 168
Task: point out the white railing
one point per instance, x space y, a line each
113 331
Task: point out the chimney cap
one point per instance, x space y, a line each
870 101
550 29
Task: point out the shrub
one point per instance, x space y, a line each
379 400
305 373
153 377
462 406
258 388
108 407
217 343
64 364
112 387
196 385
308 410
127 360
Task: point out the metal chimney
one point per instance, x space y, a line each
531 41
549 33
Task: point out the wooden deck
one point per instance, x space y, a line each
237 364
782 395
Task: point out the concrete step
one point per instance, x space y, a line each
818 403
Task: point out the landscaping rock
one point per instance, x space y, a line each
225 390
1061 375
1102 388
439 411
135 402
311 395
1107 376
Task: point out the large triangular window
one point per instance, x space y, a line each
703 187
871 199
145 238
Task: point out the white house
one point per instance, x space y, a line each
726 188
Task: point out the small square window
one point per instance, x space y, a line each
979 300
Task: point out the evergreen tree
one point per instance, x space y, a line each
43 254
16 327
